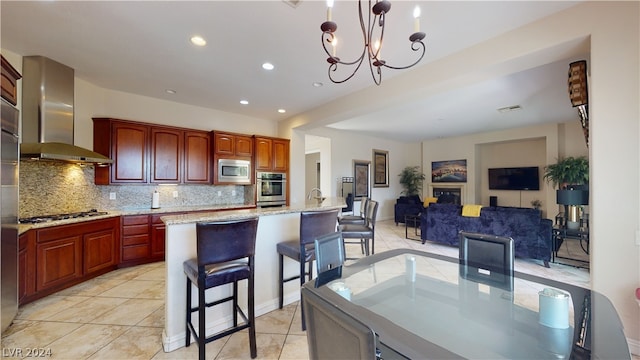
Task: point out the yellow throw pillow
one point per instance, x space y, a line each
429 200
471 210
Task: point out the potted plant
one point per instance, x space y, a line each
571 175
411 179
568 172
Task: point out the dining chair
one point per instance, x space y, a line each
486 259
362 232
355 219
329 251
333 334
225 255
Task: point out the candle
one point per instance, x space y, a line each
329 6
416 19
334 43
378 49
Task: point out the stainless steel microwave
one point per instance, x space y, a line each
234 171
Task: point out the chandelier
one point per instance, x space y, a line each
374 29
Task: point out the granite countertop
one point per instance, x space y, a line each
200 213
22 228
310 205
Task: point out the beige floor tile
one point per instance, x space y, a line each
91 287
129 312
133 288
87 310
277 321
269 346
135 343
46 307
295 348
37 334
212 350
155 319
157 273
85 341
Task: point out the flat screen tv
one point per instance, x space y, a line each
516 178
487 259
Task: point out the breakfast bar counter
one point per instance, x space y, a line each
275 225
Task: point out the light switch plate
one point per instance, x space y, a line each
112 196
175 194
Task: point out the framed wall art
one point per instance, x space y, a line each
449 171
361 178
380 168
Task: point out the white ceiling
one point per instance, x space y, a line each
143 48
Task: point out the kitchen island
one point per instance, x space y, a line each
274 225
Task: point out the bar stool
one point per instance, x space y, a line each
363 232
312 225
225 255
355 219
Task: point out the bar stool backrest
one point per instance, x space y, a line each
316 223
371 214
222 241
330 252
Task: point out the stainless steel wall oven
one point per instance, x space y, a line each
271 189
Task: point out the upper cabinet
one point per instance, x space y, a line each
144 153
272 154
231 145
9 83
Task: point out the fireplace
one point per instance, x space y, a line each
454 192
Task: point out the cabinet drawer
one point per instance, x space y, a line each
135 220
135 230
135 239
135 252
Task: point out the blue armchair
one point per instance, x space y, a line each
407 205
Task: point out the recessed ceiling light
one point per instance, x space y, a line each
244 102
267 66
317 84
198 40
170 91
282 111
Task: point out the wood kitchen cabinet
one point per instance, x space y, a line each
136 245
271 154
9 82
127 144
26 265
229 145
149 154
197 157
57 257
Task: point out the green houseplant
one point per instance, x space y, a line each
567 172
411 179
571 175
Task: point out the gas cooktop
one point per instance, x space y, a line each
47 218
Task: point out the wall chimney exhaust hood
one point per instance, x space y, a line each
47 113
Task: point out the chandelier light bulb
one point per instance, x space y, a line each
416 19
334 44
329 7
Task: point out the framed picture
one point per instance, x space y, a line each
380 168
449 171
361 178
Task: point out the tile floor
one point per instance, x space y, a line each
120 315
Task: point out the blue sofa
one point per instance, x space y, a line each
530 232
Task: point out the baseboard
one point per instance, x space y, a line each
634 346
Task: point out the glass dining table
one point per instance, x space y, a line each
420 306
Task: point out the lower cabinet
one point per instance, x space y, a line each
57 257
136 247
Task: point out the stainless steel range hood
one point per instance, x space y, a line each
47 113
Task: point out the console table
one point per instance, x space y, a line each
413 221
562 233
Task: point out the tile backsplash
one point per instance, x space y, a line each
48 187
